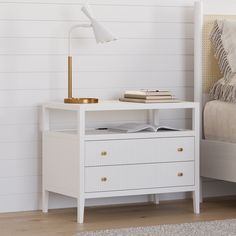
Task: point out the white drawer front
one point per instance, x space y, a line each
127 177
115 152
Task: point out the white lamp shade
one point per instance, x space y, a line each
101 33
87 11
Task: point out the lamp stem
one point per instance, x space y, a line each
69 76
70 57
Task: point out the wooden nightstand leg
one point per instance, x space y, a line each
80 210
45 198
196 202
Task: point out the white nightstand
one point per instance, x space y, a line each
98 164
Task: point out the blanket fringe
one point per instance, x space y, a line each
223 91
220 52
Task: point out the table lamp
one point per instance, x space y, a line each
102 35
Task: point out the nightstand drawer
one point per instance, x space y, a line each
127 177
135 151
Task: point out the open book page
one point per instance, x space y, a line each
138 127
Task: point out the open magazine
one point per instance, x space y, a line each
138 127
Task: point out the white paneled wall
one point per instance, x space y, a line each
154 50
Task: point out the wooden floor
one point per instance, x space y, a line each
63 222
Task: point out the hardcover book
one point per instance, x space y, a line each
139 127
140 100
147 97
146 92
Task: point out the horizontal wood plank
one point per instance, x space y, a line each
20 185
55 12
54 46
106 79
20 150
160 3
19 168
20 133
19 202
30 115
22 98
96 63
49 29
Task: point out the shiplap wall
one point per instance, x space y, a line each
154 50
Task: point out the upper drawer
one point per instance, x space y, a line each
117 152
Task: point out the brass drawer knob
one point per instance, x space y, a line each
104 179
103 153
180 174
180 149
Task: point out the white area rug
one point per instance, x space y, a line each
209 228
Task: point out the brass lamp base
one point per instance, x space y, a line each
81 100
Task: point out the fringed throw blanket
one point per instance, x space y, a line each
224 91
216 38
223 38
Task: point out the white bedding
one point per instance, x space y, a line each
220 121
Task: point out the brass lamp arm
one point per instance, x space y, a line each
70 59
71 30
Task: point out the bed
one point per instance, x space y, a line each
219 121
218 128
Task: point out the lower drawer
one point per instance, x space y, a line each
127 177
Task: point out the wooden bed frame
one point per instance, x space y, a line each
218 159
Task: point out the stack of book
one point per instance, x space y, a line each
148 96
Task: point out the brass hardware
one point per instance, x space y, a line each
104 153
104 179
180 174
180 149
81 100
70 98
